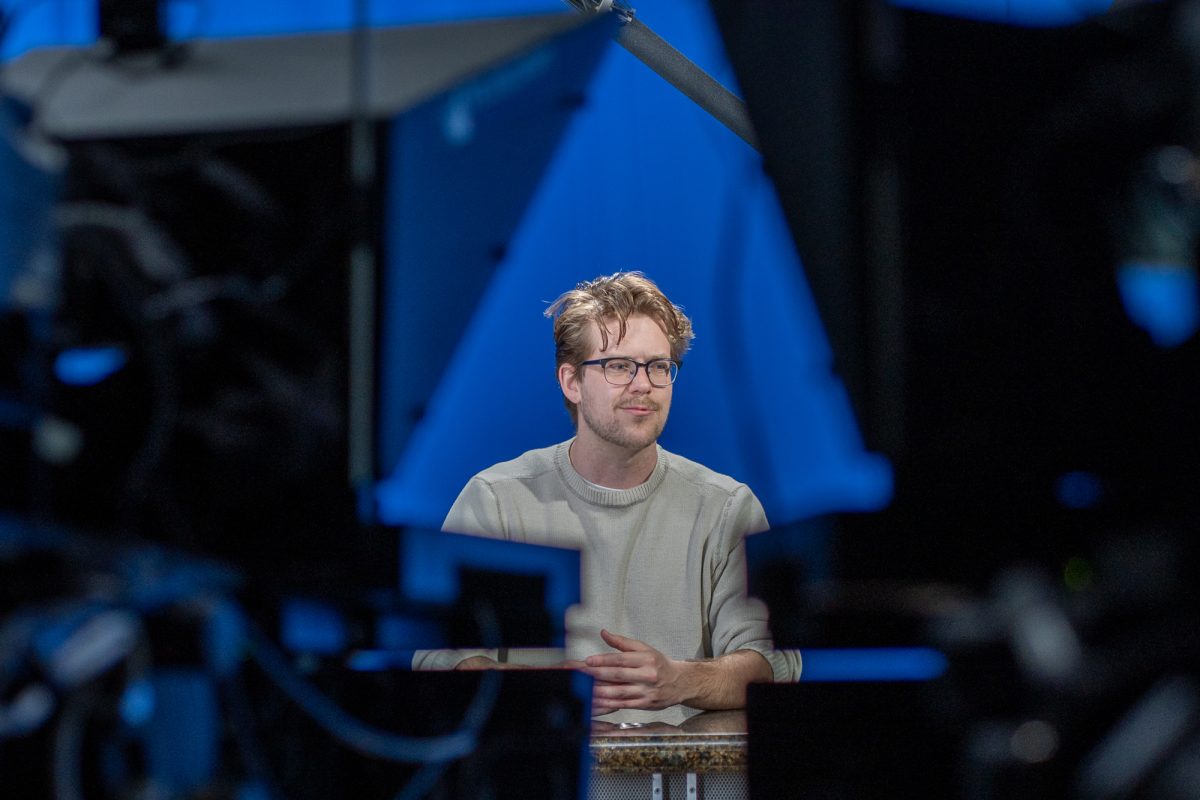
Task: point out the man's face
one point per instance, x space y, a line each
632 416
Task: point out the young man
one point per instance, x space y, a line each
665 627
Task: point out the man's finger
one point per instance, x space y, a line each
619 675
617 660
603 706
622 643
616 691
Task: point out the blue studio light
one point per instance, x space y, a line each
840 665
88 366
1161 299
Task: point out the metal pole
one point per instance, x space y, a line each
675 68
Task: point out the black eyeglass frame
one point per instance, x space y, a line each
603 364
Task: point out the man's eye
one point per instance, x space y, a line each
660 369
620 367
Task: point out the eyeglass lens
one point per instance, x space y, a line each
622 371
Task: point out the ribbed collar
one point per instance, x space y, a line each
607 497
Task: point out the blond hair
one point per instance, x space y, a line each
612 297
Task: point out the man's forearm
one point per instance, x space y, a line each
721 683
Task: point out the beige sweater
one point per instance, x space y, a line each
662 562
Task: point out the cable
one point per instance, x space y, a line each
206 289
29 709
242 729
177 304
160 260
67 755
360 736
15 636
152 249
477 713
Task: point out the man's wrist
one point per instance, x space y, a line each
720 683
692 681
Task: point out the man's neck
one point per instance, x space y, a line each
610 466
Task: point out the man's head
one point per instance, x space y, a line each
607 317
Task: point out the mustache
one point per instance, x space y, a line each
650 404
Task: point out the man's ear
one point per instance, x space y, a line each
568 380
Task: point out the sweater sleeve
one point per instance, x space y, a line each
739 622
475 512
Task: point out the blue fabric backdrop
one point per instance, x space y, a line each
642 180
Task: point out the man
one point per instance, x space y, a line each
665 627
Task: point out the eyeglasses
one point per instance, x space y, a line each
622 371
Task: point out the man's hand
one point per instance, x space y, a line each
641 677
637 677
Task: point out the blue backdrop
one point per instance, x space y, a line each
642 180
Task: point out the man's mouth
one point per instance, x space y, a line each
639 410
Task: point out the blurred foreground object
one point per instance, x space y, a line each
264 253
269 250
978 207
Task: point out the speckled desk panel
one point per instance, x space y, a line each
713 742
643 755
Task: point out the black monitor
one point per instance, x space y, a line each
848 740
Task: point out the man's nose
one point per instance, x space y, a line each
641 381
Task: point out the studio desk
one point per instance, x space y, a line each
702 759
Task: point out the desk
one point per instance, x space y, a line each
702 759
